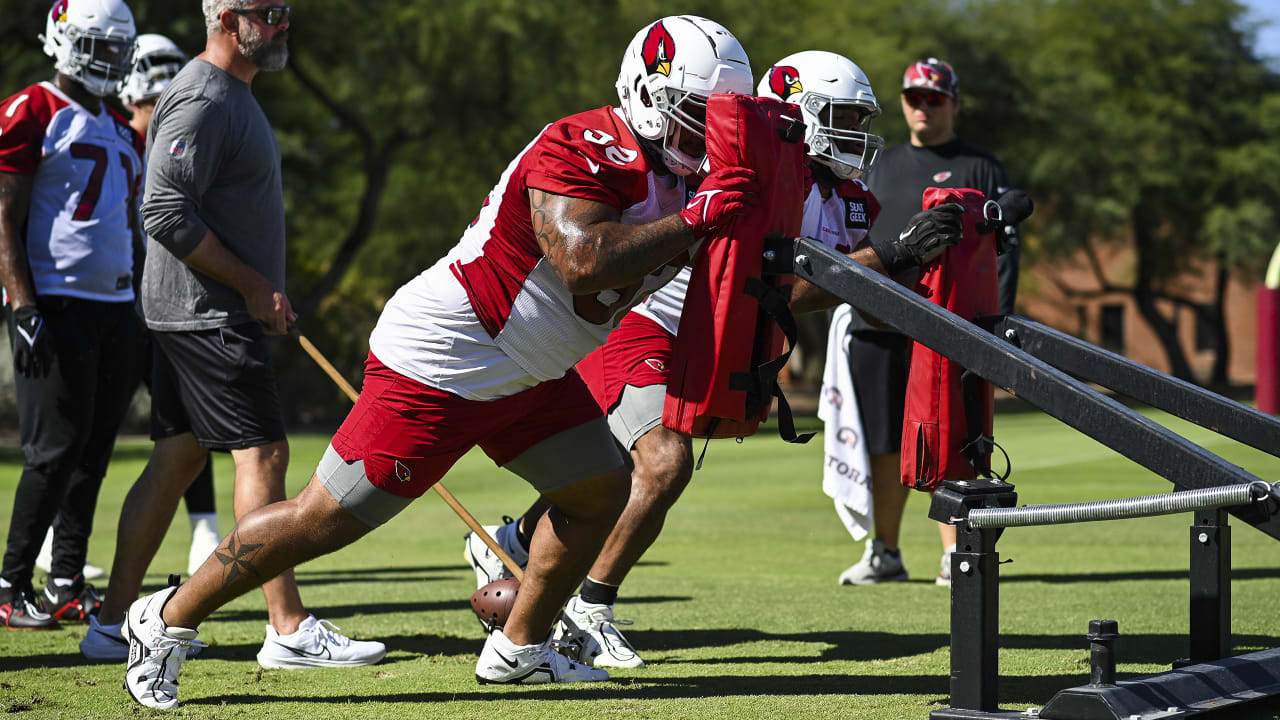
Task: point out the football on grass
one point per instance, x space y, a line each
493 602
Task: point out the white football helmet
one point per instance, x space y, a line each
91 41
669 70
155 63
822 83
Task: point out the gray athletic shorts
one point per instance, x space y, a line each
637 412
558 462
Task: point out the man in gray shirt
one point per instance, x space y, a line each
212 290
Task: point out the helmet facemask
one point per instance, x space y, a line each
101 64
157 71
839 134
684 146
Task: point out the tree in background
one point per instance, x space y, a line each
1145 125
1131 121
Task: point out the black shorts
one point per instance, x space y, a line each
217 385
880 362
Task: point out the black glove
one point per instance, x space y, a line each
926 235
32 344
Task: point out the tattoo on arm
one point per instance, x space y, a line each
591 251
15 202
550 239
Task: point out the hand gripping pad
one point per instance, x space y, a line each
719 382
947 424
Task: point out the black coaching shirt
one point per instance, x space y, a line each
902 173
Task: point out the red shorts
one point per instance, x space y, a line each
409 434
636 354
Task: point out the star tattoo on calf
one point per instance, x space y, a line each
235 559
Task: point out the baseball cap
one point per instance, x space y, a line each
931 74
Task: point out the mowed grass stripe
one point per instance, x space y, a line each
736 606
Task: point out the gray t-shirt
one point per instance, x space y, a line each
213 164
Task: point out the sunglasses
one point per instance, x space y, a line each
916 98
270 15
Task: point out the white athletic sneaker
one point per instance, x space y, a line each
156 652
505 663
44 560
108 642
104 642
944 575
589 634
876 566
483 560
317 643
204 540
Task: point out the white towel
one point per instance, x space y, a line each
846 474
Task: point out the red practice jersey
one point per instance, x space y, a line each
492 318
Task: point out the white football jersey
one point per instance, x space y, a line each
492 318
84 168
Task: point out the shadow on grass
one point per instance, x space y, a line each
865 646
650 687
657 687
1239 574
846 646
839 646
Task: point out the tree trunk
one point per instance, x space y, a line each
1166 330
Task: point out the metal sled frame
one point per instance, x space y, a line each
1037 364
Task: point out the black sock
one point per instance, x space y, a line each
597 593
522 536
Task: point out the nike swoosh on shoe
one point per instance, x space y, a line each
303 653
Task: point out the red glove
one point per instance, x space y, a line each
724 194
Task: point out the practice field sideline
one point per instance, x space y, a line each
736 607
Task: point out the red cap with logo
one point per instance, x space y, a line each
931 74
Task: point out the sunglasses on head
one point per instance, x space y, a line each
270 15
915 98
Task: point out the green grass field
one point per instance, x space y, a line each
736 607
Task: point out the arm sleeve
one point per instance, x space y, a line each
186 152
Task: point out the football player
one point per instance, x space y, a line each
479 349
69 167
157 61
838 105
